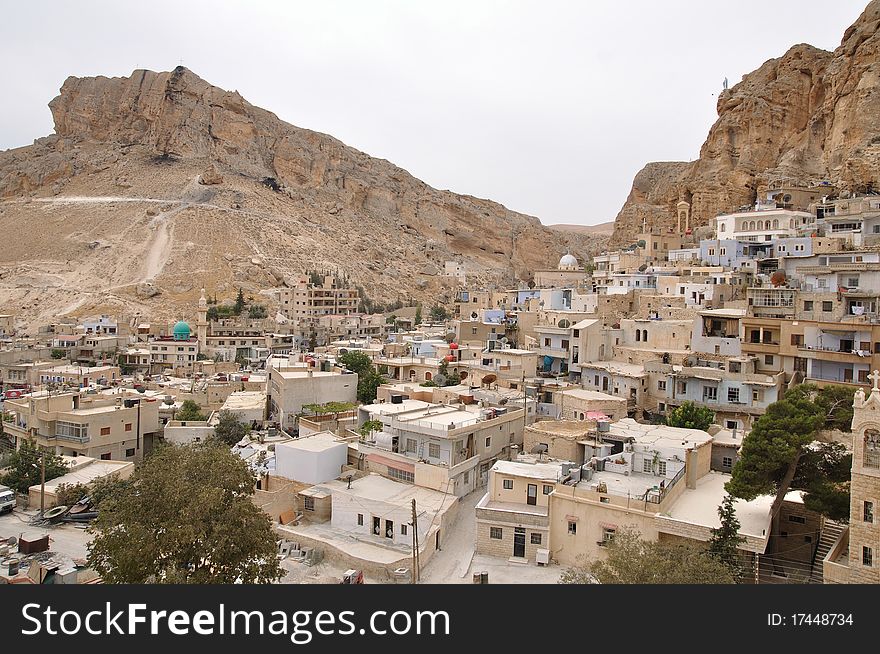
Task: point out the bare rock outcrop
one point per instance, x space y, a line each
805 117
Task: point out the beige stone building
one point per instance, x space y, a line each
306 301
121 428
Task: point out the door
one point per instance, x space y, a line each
376 528
532 494
604 383
389 529
519 542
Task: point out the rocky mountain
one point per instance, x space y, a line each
158 184
599 230
806 117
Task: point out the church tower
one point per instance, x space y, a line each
864 522
202 322
683 209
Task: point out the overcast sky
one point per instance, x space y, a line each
548 107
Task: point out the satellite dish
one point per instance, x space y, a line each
540 448
504 339
474 315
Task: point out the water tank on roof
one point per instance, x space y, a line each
397 399
603 426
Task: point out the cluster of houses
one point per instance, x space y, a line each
547 400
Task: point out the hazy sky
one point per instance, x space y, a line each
548 107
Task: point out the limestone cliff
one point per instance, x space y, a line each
160 183
805 117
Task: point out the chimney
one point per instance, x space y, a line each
691 468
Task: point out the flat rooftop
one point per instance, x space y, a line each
380 489
544 471
576 428
657 435
592 396
318 442
245 400
389 408
616 367
724 313
86 474
700 506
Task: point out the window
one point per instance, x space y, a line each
710 393
129 452
768 359
536 538
128 426
548 489
488 442
495 532
682 387
411 444
868 512
797 340
466 478
801 520
402 475
607 535
403 530
105 431
661 468
661 385
360 519
726 462
508 484
308 503
733 395
105 456
871 458
433 450
546 342
572 527
867 556
731 424
827 306
648 466
605 500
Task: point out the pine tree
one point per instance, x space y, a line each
239 303
726 538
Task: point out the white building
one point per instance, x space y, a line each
314 459
290 389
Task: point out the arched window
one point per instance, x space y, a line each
428 376
723 228
412 375
775 224
638 334
871 456
644 335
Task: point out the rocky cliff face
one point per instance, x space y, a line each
805 117
182 184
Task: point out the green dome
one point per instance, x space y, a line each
181 331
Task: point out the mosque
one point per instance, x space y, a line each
567 274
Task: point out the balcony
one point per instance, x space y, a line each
555 352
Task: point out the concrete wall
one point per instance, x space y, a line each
308 466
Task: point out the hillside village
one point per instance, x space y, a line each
504 436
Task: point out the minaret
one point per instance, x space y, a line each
202 322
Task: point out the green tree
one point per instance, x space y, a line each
439 313
238 307
369 427
690 416
824 472
357 362
229 430
782 439
418 319
23 466
632 560
185 517
725 539
369 379
58 353
190 411
257 311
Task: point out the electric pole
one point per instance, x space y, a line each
42 482
415 544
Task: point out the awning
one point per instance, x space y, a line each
392 463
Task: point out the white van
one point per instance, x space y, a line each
7 499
